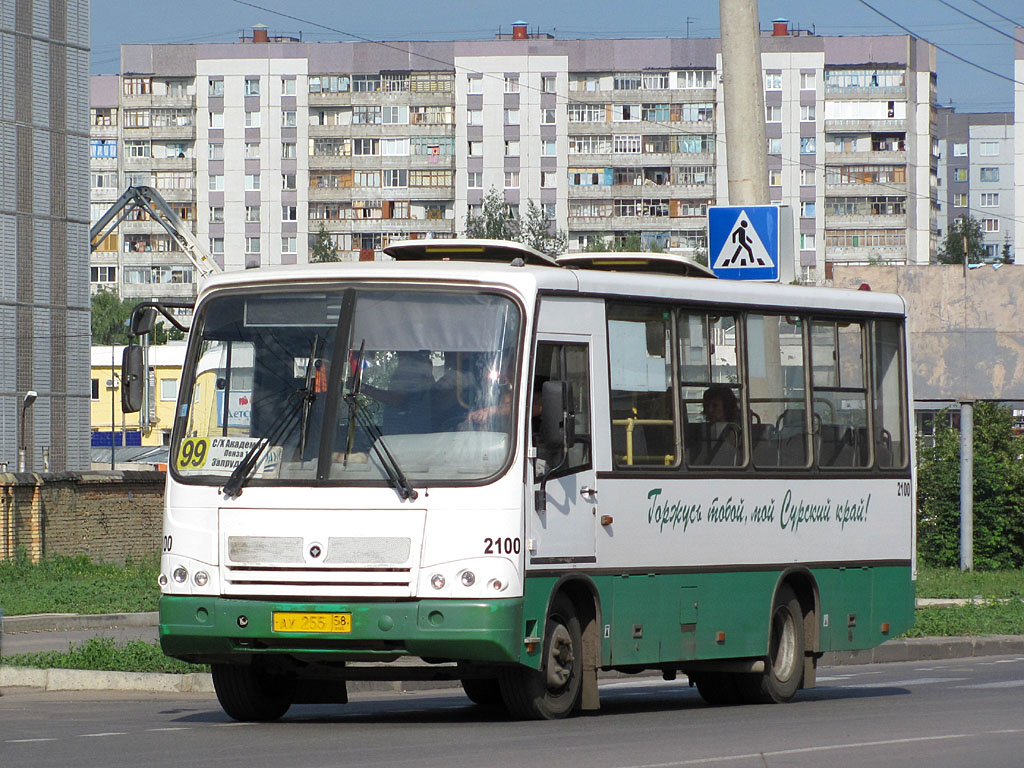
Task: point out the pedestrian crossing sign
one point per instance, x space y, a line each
743 242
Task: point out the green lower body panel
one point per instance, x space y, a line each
651 619
212 629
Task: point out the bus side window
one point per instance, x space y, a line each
563 362
643 411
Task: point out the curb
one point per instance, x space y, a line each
911 649
65 622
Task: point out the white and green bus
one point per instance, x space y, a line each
477 463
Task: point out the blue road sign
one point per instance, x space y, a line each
743 242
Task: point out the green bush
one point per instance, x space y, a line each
102 653
998 493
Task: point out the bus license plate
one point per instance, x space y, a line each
287 621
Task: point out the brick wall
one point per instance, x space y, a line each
109 516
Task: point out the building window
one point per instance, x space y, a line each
288 118
960 150
216 214
252 86
95 389
251 150
511 117
289 213
807 177
474 84
808 145
288 86
215 151
216 88
695 79
988 148
548 147
511 148
475 180
773 81
288 150
774 178
395 115
960 200
475 148
168 389
548 84
395 177
216 245
138 86
626 81
288 243
625 113
989 199
105 274
287 181
365 83
103 148
959 174
474 117
807 81
807 209
547 116
807 113
655 81
990 225
989 174
511 83
252 244
216 182
252 119
548 179
216 119
772 113
806 241
774 146
511 179
549 211
252 181
252 213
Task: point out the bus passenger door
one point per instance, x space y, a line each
562 532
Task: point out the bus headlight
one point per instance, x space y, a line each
162 581
437 581
497 585
467 578
201 578
180 575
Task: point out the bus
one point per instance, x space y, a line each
475 462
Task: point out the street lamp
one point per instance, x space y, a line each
30 397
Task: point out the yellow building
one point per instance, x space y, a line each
165 363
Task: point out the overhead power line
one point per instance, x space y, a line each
975 18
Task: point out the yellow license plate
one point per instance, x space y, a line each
288 621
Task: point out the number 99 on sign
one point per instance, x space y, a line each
193 453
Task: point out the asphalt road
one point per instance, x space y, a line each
965 712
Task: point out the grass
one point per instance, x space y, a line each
950 582
103 654
77 585
991 618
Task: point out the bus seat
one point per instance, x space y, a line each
836 446
764 448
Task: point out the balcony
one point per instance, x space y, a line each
884 125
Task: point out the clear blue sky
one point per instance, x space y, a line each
187 21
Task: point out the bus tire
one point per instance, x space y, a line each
250 694
719 689
484 692
553 691
784 666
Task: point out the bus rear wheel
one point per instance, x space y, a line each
784 667
484 692
251 694
553 691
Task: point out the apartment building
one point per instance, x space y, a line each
976 176
44 234
285 143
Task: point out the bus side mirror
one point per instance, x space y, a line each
558 417
143 321
131 379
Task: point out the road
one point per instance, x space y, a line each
935 714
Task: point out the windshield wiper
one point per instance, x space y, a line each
387 460
279 431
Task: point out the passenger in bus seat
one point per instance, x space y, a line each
722 415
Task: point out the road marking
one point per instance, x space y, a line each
1008 730
913 681
25 741
1000 684
802 751
179 728
94 735
232 725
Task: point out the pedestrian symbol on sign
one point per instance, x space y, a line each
743 247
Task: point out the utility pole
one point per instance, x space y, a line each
746 150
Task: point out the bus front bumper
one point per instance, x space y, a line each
214 629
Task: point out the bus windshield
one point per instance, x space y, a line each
351 386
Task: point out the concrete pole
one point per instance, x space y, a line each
746 150
967 486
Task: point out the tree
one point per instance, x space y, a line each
535 231
998 486
324 248
966 231
110 318
1007 256
496 220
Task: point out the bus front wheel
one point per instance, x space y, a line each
553 691
251 694
784 667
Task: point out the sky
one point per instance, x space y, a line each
967 87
